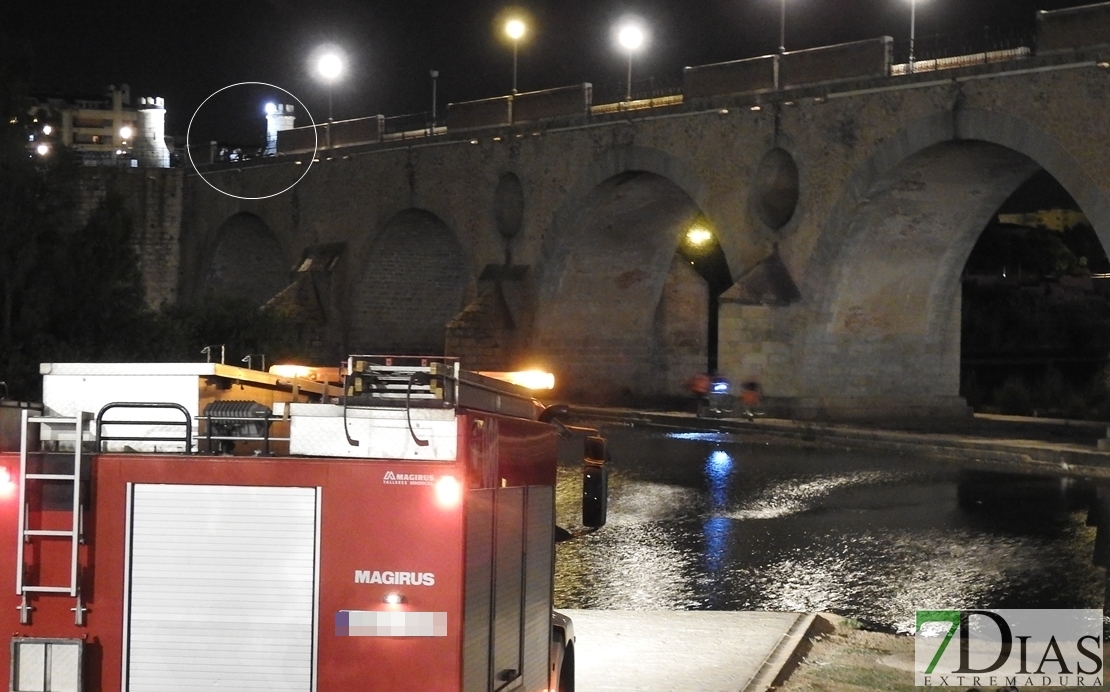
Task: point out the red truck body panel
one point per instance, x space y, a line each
375 516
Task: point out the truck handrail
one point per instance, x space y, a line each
187 439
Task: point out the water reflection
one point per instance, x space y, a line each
707 521
716 528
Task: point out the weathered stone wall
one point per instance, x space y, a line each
896 177
153 196
409 285
247 262
682 325
483 335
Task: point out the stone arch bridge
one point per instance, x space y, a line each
845 204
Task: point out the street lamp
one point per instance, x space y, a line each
435 76
782 27
514 28
329 66
913 29
631 38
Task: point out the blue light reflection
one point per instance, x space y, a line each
716 529
718 469
708 436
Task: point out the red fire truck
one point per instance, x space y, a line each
387 525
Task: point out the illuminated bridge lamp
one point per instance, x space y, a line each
631 38
514 29
330 67
698 236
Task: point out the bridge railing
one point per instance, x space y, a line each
215 153
546 104
650 88
987 39
1053 32
408 126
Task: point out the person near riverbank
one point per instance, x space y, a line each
751 399
699 385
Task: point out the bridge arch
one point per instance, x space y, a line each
893 249
411 280
612 163
622 315
247 261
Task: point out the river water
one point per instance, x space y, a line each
708 521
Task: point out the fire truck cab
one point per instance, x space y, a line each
387 525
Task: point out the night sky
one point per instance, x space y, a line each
185 51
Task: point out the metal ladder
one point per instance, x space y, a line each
75 531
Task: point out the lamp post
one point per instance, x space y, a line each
329 67
514 28
913 29
631 38
782 27
435 75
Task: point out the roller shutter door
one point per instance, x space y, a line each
222 588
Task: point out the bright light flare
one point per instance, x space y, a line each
393 599
305 372
271 109
448 492
126 132
302 371
698 235
42 150
529 379
46 129
329 66
630 37
514 29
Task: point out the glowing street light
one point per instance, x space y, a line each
630 37
42 149
46 129
514 29
330 67
698 236
125 132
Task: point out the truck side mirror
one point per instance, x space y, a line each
595 482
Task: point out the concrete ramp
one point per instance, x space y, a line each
684 651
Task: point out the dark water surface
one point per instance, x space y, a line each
707 521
